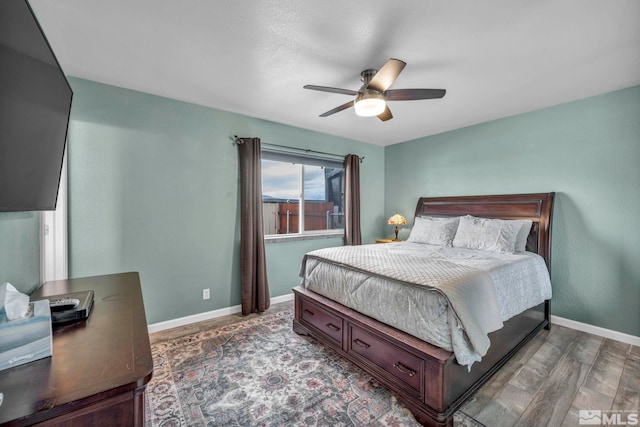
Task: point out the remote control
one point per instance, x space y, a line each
64 304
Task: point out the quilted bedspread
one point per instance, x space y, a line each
445 296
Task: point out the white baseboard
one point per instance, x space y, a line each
596 330
182 321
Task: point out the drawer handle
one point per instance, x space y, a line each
310 313
404 369
333 327
361 343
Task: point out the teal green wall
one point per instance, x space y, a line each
20 250
588 152
153 188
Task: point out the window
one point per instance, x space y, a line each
302 194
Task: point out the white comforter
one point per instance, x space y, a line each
447 296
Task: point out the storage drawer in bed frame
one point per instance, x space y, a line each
405 367
322 320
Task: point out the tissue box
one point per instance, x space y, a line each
27 339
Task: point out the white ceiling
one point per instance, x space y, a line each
495 58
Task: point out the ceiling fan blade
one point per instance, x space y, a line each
386 75
331 89
413 94
338 109
386 114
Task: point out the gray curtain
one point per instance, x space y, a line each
253 275
352 234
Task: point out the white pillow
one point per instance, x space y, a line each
434 231
523 233
487 234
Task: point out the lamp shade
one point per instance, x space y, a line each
397 219
369 103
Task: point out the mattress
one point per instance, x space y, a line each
379 284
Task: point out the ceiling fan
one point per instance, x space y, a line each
371 99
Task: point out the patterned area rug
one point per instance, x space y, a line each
259 372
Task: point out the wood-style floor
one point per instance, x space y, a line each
546 383
556 374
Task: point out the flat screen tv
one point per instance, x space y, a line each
35 102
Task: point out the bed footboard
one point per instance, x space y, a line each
427 379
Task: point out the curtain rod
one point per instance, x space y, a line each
306 150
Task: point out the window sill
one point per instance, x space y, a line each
280 238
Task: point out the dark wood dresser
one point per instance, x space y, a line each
100 366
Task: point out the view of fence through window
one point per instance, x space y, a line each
286 212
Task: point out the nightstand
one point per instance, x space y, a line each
387 240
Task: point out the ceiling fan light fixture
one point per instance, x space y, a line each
369 103
371 99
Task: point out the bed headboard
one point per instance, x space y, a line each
536 207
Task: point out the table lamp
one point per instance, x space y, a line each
396 220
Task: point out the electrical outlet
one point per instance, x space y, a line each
205 294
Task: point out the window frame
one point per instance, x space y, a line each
302 160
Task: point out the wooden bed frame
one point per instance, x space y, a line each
427 379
